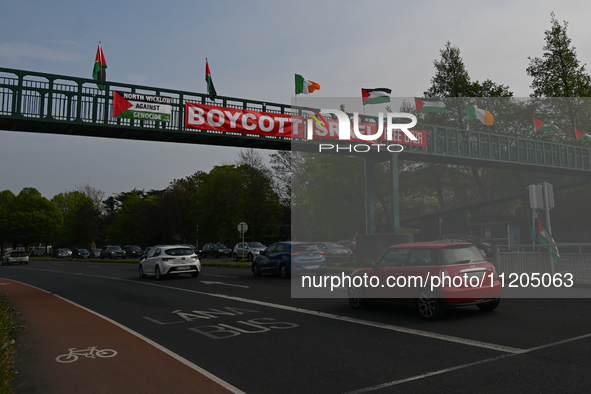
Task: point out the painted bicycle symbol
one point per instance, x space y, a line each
91 352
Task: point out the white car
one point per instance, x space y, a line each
15 256
170 260
247 250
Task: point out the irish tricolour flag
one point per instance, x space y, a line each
545 240
375 96
582 136
541 126
426 105
482 115
304 86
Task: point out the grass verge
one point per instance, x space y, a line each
8 332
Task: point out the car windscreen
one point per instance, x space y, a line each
179 252
255 245
460 253
18 253
304 247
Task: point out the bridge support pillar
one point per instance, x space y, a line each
370 185
395 196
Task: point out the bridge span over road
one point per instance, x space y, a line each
56 104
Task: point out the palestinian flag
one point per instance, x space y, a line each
99 72
541 126
302 85
375 96
482 115
210 88
545 240
582 136
425 105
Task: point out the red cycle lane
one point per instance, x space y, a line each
130 365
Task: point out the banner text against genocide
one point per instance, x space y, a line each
209 117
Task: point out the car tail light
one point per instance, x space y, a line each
294 254
167 258
321 252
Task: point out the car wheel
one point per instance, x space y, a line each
216 255
141 272
195 274
357 298
283 271
235 257
256 271
428 305
489 306
157 273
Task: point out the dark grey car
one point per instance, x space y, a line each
112 252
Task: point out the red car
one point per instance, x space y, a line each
433 276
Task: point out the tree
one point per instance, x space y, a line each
558 72
452 80
6 207
80 224
95 195
232 194
33 219
327 199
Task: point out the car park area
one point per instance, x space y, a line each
229 323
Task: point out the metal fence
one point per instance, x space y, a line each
529 259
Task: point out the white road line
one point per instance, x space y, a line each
183 360
448 338
405 330
442 371
223 283
426 375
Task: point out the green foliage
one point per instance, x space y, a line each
558 72
130 220
6 200
232 194
30 218
80 216
327 200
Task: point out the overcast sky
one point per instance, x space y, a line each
254 48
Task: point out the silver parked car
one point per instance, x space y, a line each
335 252
247 250
169 260
15 257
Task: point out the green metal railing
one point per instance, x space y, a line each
26 95
48 98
